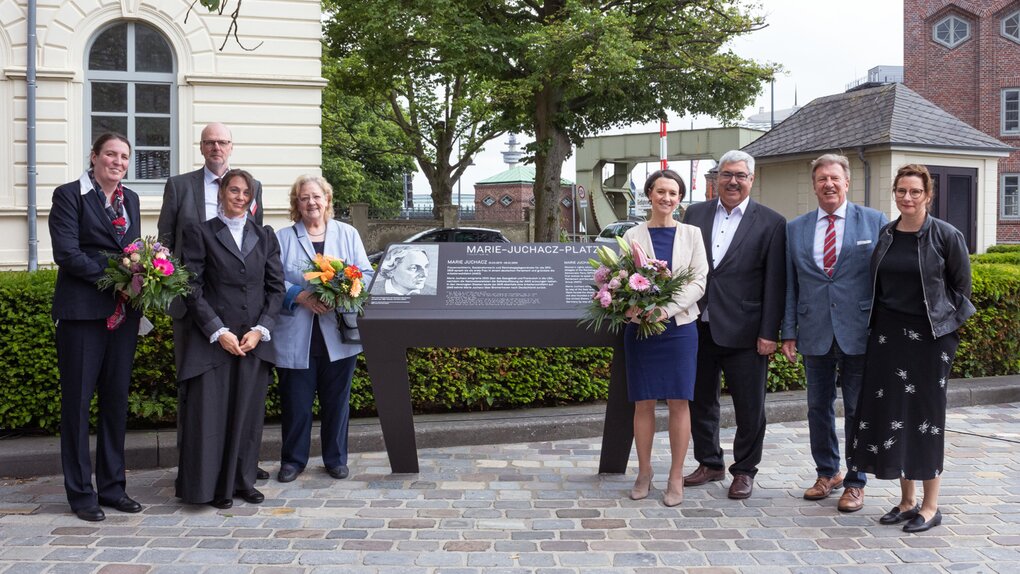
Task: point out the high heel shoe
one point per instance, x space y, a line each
674 494
641 486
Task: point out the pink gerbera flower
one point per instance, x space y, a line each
638 282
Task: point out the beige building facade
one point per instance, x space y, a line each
784 184
154 71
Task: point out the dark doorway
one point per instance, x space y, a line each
956 199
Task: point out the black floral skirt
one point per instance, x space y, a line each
902 411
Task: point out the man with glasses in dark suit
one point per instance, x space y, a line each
191 197
739 324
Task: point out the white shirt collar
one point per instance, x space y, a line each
840 212
85 182
740 208
210 176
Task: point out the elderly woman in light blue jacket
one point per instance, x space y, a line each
312 357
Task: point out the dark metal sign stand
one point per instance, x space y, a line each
388 334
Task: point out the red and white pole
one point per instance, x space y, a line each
663 164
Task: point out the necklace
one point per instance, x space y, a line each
316 234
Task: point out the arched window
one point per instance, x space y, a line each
129 88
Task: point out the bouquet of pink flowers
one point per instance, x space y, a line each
146 275
337 284
631 285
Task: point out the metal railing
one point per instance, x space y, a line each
416 213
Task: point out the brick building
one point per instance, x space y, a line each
965 57
506 195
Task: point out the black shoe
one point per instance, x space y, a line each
261 474
918 524
90 514
223 503
252 496
288 473
895 516
125 504
338 472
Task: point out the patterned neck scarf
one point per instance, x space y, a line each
115 208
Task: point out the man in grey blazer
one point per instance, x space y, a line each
192 197
739 324
828 300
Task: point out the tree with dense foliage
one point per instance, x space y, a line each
427 63
363 154
579 67
561 70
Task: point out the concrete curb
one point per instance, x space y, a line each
40 456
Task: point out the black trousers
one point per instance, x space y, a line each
745 372
94 360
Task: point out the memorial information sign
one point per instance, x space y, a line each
483 276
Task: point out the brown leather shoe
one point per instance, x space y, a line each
852 499
823 487
741 486
703 474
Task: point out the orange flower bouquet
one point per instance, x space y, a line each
337 283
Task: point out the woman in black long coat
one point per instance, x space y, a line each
237 293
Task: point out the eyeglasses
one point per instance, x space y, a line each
739 176
211 143
902 192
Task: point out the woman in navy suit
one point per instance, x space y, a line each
312 357
229 352
96 332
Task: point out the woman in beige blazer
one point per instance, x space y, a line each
663 366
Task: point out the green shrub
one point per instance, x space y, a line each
29 383
784 375
1004 248
1004 257
990 340
464 379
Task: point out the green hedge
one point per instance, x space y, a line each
990 340
1004 257
1004 248
441 379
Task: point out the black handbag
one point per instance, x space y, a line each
347 324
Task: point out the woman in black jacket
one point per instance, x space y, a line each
921 272
96 332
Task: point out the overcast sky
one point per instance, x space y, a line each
822 45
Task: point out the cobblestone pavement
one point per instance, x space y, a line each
537 507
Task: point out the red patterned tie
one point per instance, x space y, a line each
829 248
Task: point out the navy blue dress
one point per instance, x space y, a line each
661 366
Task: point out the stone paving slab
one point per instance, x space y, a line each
537 507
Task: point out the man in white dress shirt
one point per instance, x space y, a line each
739 324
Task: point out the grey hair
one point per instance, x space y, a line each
735 155
829 159
396 255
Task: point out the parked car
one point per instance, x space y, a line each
613 230
450 234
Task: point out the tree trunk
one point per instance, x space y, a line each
441 185
553 147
